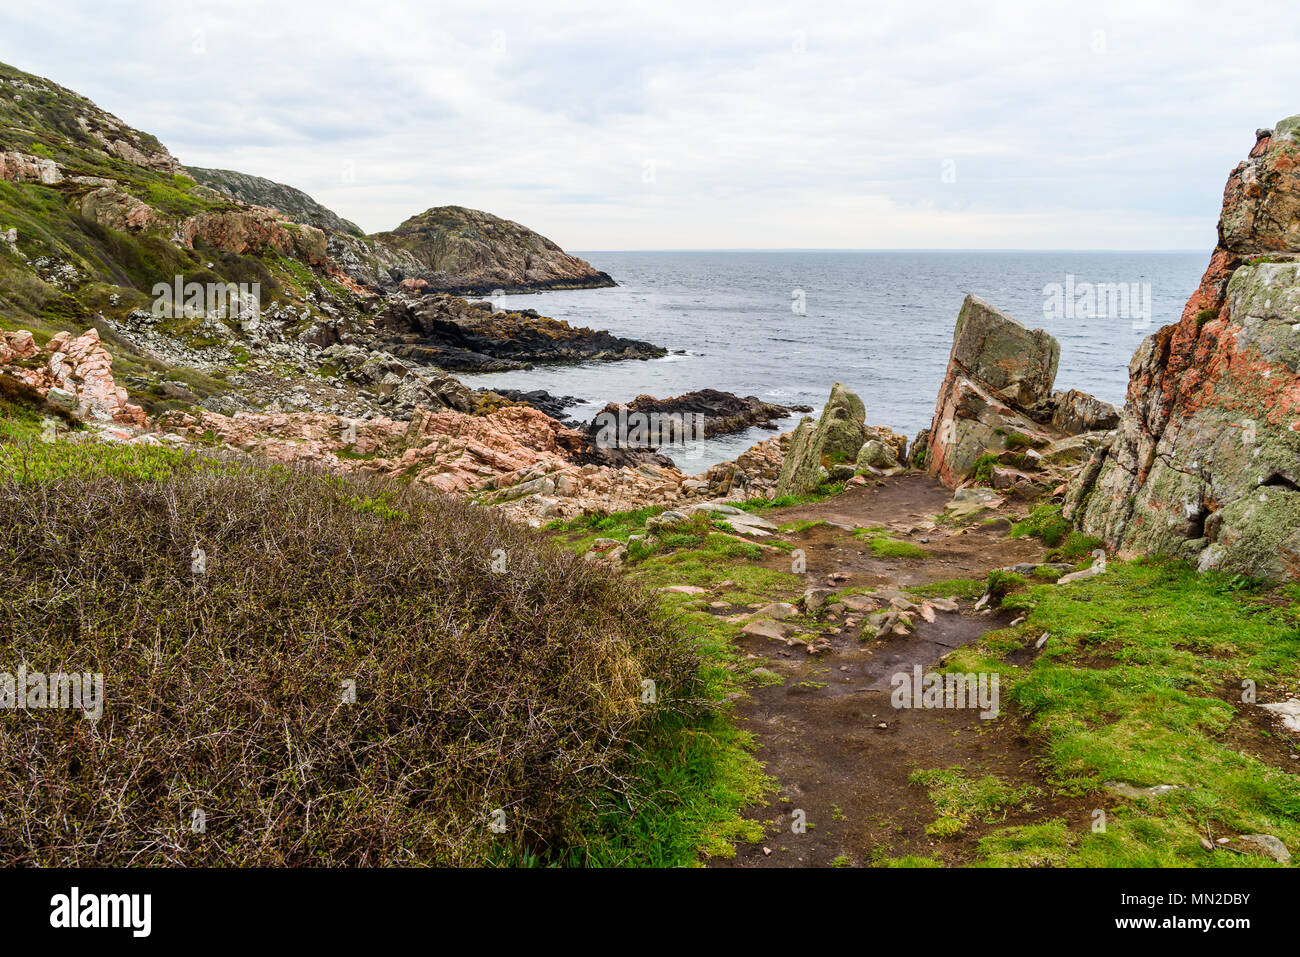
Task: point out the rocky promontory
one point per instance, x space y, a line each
1205 463
450 333
470 252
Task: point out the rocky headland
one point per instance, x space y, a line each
451 333
470 252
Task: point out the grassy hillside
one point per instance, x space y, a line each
119 215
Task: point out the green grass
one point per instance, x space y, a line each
795 528
175 198
908 861
1046 524
951 588
19 417
699 776
29 461
983 468
893 548
612 525
1046 844
1140 681
820 494
716 559
886 546
959 799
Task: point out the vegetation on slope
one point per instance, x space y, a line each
477 691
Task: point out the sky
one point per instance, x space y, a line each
688 125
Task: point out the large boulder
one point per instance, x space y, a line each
1076 412
835 439
801 470
842 427
996 394
1205 463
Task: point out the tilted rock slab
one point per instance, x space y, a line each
999 375
835 438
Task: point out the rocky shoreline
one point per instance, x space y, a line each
350 361
460 336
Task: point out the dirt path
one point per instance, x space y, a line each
840 753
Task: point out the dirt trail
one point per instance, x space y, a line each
839 751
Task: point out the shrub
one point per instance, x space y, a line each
681 540
225 690
1000 583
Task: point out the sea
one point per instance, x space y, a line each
786 325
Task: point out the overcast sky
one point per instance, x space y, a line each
668 125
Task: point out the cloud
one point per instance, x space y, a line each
686 125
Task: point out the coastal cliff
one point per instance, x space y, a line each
1203 465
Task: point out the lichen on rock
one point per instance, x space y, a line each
1205 463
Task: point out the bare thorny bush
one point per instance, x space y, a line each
226 693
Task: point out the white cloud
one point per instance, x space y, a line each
765 126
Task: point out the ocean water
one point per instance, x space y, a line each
880 322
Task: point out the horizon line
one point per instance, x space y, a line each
900 249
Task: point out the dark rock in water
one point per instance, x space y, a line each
634 433
451 333
723 412
542 401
